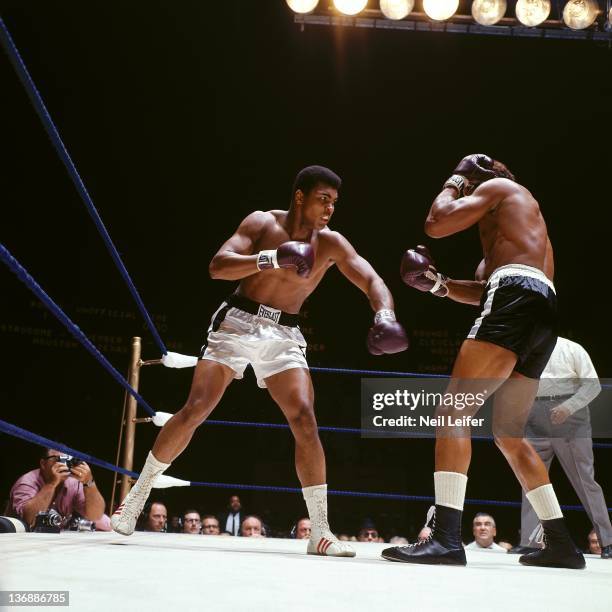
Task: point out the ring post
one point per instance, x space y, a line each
128 424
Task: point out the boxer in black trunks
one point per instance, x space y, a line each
508 345
279 257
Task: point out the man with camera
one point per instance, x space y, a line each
63 484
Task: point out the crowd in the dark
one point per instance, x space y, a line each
61 494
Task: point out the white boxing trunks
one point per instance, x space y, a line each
243 332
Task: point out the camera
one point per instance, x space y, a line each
78 523
48 522
69 461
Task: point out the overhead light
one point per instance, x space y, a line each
396 9
440 9
302 6
488 12
532 12
350 7
580 14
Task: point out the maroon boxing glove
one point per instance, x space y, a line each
386 336
293 254
418 271
473 169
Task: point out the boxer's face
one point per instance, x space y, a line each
317 205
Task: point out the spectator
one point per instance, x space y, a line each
368 532
302 529
594 545
399 541
232 519
344 537
252 527
192 522
54 485
210 525
506 545
154 517
559 425
484 530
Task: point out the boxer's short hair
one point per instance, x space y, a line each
309 177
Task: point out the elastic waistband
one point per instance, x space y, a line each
521 270
261 310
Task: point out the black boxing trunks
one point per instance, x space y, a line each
519 312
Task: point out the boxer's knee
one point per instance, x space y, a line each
511 446
195 411
302 420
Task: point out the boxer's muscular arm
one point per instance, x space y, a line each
449 214
235 259
361 274
465 291
468 292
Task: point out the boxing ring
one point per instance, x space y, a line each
224 573
178 571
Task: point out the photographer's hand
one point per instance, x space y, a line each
94 502
82 472
54 473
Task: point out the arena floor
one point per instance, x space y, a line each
175 572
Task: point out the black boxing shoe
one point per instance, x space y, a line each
606 552
522 550
442 547
558 551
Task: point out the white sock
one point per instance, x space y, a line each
545 503
450 489
316 502
150 471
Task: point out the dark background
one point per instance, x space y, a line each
184 117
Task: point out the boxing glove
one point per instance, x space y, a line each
417 270
476 168
292 254
386 336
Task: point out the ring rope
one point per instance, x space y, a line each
18 432
23 275
53 133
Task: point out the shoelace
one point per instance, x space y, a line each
430 522
537 535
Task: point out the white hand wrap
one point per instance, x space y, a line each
267 260
457 181
384 314
440 282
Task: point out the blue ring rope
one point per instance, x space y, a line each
23 275
351 430
75 331
53 133
377 373
18 432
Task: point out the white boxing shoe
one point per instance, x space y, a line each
329 545
125 516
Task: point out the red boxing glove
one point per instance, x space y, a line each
418 271
386 336
292 254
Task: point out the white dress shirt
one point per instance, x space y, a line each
570 371
493 547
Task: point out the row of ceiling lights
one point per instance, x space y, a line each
577 14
